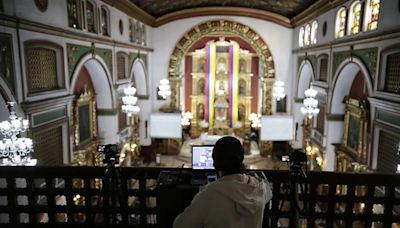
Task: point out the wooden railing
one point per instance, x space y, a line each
69 197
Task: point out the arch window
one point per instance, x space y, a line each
314 29
105 21
355 18
122 66
301 37
91 17
74 19
307 34
132 30
371 15
340 26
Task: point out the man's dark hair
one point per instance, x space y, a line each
228 155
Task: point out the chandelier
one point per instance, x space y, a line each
129 101
15 150
164 88
310 103
278 91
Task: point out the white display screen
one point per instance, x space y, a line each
202 157
277 128
165 125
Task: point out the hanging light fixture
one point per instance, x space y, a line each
164 88
310 103
129 101
15 150
186 117
278 90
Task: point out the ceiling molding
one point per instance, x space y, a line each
132 10
227 11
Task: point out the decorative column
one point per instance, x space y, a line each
175 82
267 84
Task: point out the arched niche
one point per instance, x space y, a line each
101 81
343 81
306 76
139 77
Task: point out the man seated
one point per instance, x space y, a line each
236 199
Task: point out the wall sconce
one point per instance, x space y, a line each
15 150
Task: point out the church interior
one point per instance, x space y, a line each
157 78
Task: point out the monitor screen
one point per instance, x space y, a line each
202 157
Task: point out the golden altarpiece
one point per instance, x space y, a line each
84 127
221 89
353 153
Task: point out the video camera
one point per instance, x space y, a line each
297 159
111 153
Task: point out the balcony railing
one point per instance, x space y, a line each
69 197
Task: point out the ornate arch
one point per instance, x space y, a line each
214 27
222 27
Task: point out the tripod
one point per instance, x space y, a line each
297 175
110 194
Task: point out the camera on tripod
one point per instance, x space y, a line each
297 159
111 153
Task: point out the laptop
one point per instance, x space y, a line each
202 160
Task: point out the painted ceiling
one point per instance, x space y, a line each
286 8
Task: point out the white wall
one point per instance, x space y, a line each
278 39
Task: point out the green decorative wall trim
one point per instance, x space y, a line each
49 116
7 60
311 58
76 52
388 117
143 56
368 56
107 112
334 117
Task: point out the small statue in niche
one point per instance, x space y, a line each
221 65
241 113
242 66
202 65
201 87
200 112
242 87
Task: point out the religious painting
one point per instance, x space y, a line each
83 118
84 123
353 132
242 113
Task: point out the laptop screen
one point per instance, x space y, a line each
202 157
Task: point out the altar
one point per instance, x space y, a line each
221 99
